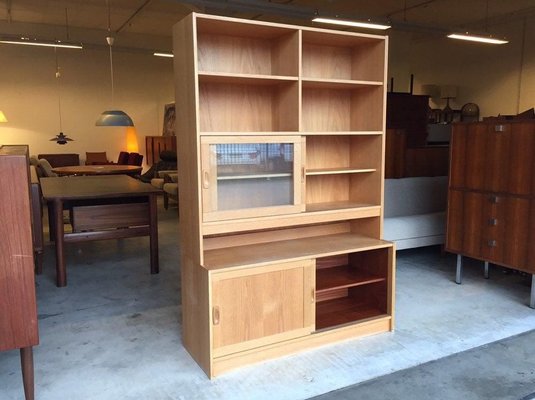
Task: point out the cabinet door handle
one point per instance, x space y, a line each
205 179
494 199
215 315
492 243
312 295
303 174
499 128
493 221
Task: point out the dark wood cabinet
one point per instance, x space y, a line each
18 313
154 145
491 202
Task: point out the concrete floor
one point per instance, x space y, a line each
114 331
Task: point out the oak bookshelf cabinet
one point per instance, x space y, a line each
491 202
282 160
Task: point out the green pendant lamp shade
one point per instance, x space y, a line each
114 118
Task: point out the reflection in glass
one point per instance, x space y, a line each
253 174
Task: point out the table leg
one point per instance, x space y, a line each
459 272
154 256
486 270
61 273
51 221
26 362
532 296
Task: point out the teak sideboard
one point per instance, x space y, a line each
18 311
491 200
281 150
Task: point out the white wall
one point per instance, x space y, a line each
29 97
487 75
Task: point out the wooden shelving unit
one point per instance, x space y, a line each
281 155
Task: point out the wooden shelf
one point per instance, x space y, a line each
255 176
315 83
342 133
336 205
333 171
289 250
343 277
343 310
236 78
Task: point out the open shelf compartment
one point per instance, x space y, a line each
242 48
352 287
342 109
346 57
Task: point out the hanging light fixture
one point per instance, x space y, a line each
60 138
112 117
357 24
2 117
487 38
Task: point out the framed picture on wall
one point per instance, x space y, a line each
169 120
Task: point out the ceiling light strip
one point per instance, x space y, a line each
480 39
42 43
160 54
357 24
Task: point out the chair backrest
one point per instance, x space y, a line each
45 168
96 158
61 159
123 158
135 159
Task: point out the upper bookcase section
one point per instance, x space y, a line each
231 47
330 56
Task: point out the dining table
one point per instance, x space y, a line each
100 208
104 169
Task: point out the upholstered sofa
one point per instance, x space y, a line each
415 211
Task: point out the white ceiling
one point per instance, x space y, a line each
149 22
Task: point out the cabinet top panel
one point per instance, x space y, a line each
215 24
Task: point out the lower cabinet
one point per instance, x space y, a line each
261 305
258 312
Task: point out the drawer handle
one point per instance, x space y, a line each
499 128
313 295
494 199
205 180
493 221
215 315
492 243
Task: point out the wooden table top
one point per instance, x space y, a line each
106 169
94 187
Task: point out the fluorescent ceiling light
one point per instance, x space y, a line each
45 43
160 54
157 54
480 39
358 24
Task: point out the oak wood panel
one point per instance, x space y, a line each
364 328
331 188
327 152
304 248
321 61
258 304
367 109
326 110
18 324
369 60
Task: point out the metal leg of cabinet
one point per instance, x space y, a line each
532 297
486 270
459 273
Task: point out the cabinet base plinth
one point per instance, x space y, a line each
366 328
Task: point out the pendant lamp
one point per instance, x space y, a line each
113 117
60 138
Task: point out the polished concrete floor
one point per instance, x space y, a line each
114 331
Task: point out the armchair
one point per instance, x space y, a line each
170 188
